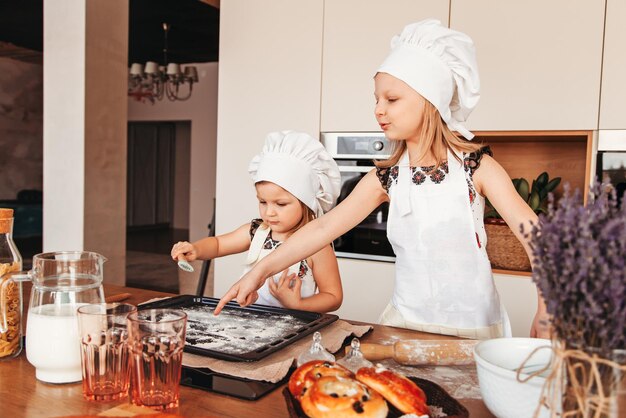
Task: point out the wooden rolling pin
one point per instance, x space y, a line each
117 298
422 352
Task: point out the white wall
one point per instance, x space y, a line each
201 111
182 175
270 79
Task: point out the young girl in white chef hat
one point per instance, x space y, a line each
436 182
296 180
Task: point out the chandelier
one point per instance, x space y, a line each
154 81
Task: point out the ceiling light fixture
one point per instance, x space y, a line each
154 81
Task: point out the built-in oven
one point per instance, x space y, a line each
611 160
355 154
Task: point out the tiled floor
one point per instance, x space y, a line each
153 271
148 264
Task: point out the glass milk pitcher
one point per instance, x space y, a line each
62 282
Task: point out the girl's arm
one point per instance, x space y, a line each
233 242
326 274
493 182
366 196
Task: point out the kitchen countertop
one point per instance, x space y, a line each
22 395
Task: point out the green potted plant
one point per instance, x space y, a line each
504 249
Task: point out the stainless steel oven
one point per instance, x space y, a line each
354 154
611 159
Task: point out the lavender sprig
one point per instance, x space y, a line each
579 265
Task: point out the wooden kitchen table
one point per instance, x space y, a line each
22 395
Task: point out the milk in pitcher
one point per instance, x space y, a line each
53 344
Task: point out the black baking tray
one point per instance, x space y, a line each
239 387
240 330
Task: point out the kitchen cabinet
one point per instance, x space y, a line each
357 35
310 65
367 288
518 294
612 112
539 62
565 154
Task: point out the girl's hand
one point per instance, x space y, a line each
244 292
185 248
541 326
287 290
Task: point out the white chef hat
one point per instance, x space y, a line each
299 164
440 64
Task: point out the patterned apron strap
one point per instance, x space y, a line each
404 184
258 240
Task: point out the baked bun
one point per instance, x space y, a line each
152 415
304 376
403 393
342 397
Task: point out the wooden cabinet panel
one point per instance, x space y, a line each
612 109
357 34
564 154
539 62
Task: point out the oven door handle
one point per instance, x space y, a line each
353 169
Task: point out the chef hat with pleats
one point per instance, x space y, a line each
440 64
299 164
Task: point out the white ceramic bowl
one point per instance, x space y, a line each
496 363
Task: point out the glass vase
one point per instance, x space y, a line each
595 383
10 291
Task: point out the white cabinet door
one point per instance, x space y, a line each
367 288
269 80
357 35
519 297
612 109
539 61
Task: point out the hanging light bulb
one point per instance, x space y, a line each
153 81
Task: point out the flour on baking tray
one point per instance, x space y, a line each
237 331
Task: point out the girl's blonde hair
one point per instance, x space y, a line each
307 213
307 216
434 137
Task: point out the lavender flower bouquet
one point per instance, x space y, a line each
579 257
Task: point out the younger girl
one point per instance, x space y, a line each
436 182
296 180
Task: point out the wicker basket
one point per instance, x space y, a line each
503 248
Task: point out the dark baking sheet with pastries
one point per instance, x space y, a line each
241 334
436 396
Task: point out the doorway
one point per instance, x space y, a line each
157 201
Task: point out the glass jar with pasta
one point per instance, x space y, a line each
10 291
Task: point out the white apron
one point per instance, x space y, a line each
444 282
257 252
